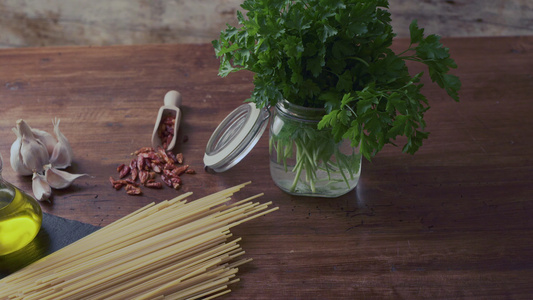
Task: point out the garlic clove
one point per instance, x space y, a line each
58 179
41 188
15 158
32 153
62 154
46 138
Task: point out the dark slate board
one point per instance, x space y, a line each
55 233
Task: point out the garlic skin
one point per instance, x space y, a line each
46 138
28 154
58 179
15 158
41 188
61 157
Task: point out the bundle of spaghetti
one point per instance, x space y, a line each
171 250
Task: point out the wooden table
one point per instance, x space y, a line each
453 221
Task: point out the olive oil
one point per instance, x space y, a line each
20 218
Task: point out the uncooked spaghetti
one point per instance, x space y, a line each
171 250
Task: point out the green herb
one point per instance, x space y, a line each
336 54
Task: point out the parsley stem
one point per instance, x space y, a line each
360 60
405 51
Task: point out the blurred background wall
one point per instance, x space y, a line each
34 23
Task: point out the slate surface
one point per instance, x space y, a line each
55 233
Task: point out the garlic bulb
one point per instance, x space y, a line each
58 179
28 154
37 152
62 154
41 188
46 138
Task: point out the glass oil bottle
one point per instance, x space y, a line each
20 217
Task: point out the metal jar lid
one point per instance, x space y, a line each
235 137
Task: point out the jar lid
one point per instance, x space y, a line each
235 137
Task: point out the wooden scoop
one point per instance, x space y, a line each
164 129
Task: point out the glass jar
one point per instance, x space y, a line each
20 217
306 161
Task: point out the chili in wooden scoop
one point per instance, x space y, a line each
168 121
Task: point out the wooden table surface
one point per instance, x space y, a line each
453 221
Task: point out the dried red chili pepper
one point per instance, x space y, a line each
166 180
133 169
133 190
154 185
180 170
176 182
171 155
166 130
179 158
168 173
143 150
117 184
140 163
164 156
124 172
130 181
169 167
143 176
156 167
169 120
147 163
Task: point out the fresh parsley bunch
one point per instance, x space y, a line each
336 54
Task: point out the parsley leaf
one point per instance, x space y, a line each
336 55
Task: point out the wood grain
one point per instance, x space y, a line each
464 18
35 23
452 221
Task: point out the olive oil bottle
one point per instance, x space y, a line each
20 217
